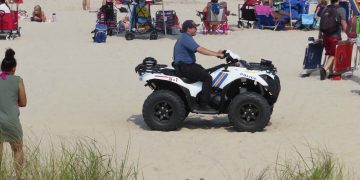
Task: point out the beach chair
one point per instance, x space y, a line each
264 17
344 62
307 21
313 54
171 20
343 56
295 7
247 16
215 19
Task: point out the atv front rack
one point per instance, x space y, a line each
264 65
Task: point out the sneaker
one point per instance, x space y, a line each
330 76
305 75
322 74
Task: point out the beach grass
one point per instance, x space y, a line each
82 159
318 165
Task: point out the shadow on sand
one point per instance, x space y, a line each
356 79
193 122
147 36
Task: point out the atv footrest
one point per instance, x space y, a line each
206 112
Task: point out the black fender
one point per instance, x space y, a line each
184 93
239 86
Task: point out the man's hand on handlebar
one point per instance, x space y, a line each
221 54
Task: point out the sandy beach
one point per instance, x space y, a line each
77 88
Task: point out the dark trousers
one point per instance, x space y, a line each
198 73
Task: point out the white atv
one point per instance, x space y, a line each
245 91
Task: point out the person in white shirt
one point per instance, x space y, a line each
4 7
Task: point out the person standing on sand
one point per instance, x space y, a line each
12 96
86 5
331 35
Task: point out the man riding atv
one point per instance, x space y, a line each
185 61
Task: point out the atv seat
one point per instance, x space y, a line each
175 72
187 80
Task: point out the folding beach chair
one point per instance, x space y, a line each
313 54
264 17
307 21
343 56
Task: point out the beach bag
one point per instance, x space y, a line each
100 33
329 22
215 8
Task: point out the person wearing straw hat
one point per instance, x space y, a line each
185 61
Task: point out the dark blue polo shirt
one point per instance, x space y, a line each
185 49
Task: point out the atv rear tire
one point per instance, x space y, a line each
164 110
249 112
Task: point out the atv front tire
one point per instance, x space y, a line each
249 112
164 110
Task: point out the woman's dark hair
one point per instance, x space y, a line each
9 62
2 1
214 1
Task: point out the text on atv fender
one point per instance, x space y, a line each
248 76
168 78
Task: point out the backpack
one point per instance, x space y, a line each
330 21
215 8
100 33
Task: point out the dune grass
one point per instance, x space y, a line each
321 165
82 160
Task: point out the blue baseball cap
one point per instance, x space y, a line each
189 24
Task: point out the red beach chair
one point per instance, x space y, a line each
343 57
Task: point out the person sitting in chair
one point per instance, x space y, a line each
277 14
215 7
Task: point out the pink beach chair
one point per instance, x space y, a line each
265 18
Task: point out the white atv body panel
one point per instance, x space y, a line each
220 78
